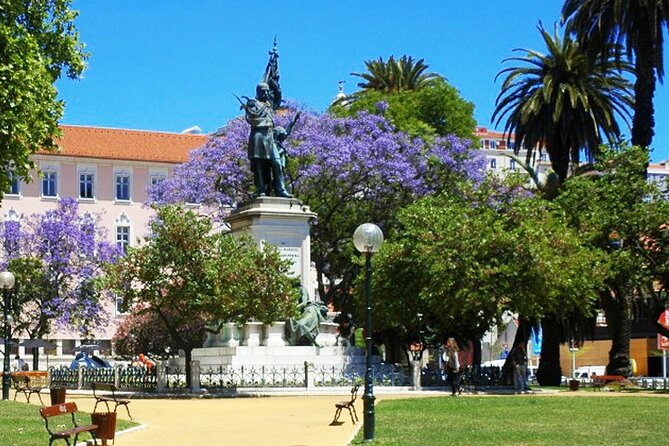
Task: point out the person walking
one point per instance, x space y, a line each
452 365
519 359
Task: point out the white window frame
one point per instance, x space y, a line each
9 193
123 222
87 170
493 163
123 172
50 170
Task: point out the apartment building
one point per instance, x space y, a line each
107 171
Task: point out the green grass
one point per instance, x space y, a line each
22 425
522 420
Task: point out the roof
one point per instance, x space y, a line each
122 144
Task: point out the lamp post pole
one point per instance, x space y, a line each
368 239
368 397
7 283
5 369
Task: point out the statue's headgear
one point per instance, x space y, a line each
261 86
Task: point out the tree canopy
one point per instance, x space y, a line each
347 169
561 100
38 40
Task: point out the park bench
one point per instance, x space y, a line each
73 432
24 384
347 405
108 397
599 381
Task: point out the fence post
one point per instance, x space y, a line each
308 378
161 376
415 375
80 377
117 376
195 376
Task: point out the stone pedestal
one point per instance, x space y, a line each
252 334
273 335
283 222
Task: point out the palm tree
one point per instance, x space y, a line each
566 103
635 25
562 101
395 75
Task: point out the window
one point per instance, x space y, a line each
483 144
14 186
512 145
123 238
86 185
155 179
512 164
122 187
493 144
49 188
120 308
493 163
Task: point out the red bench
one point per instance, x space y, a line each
599 381
68 433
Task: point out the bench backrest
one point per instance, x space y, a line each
103 386
354 393
58 409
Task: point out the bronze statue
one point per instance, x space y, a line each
304 330
263 150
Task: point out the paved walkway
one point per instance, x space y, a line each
277 420
257 421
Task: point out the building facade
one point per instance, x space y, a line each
108 172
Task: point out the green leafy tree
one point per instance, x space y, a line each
620 215
185 273
562 101
38 40
638 26
461 260
434 110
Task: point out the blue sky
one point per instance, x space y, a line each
169 65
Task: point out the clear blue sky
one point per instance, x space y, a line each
169 65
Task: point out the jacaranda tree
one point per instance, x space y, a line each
57 257
348 170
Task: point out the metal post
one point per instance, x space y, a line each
368 397
5 370
664 363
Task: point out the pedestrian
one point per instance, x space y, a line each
19 363
452 365
519 361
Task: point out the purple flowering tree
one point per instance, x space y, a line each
57 257
349 170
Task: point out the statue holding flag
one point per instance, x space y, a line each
263 151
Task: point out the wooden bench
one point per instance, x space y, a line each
67 434
108 398
599 381
347 405
24 384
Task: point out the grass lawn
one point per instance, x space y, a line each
522 420
22 425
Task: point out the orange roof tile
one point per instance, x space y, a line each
122 144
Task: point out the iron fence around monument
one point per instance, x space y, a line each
63 378
223 377
137 378
382 375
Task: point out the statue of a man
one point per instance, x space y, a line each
263 151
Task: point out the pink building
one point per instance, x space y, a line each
108 171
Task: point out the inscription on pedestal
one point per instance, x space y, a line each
293 254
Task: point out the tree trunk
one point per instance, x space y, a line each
618 310
189 355
643 121
549 372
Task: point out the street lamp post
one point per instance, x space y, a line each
368 239
7 283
